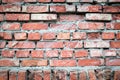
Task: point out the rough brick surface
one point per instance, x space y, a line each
59 39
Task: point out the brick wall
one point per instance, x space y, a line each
59 39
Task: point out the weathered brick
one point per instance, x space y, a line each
94 35
1 17
58 0
4 75
73 44
30 0
70 8
90 8
108 35
44 0
34 36
34 26
109 53
91 25
17 17
73 75
12 75
81 53
114 1
72 0
111 9
49 36
8 53
66 53
20 36
26 63
96 44
21 44
96 53
112 62
11 26
47 75
50 45
11 1
71 17
116 16
22 53
58 8
62 63
82 75
115 44
62 35
37 54
22 75
79 35
2 44
6 35
34 9
92 75
117 75
52 53
9 62
90 62
115 26
118 36
43 17
102 17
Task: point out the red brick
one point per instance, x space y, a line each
26 63
22 53
29 0
72 0
79 35
49 36
1 9
12 8
90 8
2 44
66 26
52 53
111 9
109 53
58 8
34 26
22 75
95 16
11 1
73 75
71 17
96 44
71 8
35 9
116 16
62 63
92 75
96 53
118 36
3 75
20 36
117 75
7 53
9 62
11 26
12 75
60 75
43 17
21 44
90 62
66 53
37 54
114 1
62 35
17 17
113 62
58 0
6 35
38 75
34 36
44 0
115 44
91 25
73 44
50 45
94 35
47 75
1 17
82 75
115 26
108 35
81 53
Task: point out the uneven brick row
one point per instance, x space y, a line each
100 74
